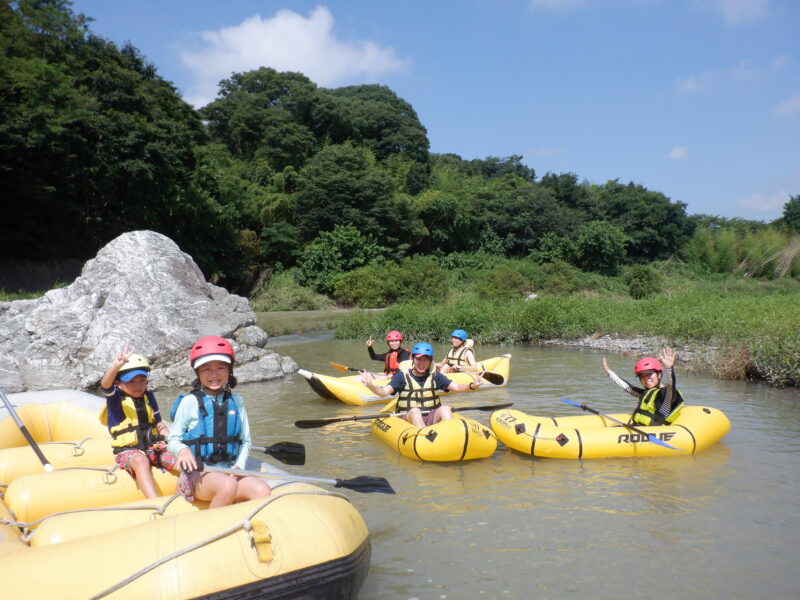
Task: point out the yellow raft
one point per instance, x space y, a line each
88 532
350 390
592 436
446 441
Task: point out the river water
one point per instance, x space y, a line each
721 524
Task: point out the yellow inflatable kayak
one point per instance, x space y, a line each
88 532
594 436
350 390
446 441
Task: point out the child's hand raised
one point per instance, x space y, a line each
668 357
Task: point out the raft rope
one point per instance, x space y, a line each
27 527
244 525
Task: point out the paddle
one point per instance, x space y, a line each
290 453
363 483
45 463
493 378
314 423
342 368
649 436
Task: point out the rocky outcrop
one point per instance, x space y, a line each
140 290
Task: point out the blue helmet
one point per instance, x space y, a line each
460 334
422 348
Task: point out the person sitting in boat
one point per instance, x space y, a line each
659 402
460 357
210 426
394 356
416 388
134 421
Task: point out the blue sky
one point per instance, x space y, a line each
697 99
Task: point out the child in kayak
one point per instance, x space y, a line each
460 357
199 435
134 421
416 388
659 402
394 356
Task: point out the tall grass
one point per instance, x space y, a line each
760 326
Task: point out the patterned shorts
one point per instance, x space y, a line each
157 454
187 480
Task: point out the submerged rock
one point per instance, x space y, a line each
140 290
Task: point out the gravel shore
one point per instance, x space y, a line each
690 355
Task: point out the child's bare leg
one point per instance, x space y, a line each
216 488
251 488
140 465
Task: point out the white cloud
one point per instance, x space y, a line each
789 108
679 153
745 71
760 203
286 42
742 12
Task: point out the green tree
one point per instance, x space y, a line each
791 213
656 228
266 114
601 247
375 117
336 252
341 185
92 141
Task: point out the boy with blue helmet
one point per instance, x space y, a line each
416 388
134 421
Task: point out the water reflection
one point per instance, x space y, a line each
722 523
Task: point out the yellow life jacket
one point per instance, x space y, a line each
419 395
647 414
138 430
455 356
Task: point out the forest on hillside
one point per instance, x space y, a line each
278 175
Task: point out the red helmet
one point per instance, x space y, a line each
647 365
211 348
394 336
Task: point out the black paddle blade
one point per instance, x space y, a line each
366 484
290 453
313 424
493 378
496 406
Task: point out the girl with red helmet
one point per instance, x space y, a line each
210 426
394 356
659 402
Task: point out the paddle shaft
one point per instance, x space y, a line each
45 463
364 484
312 424
649 436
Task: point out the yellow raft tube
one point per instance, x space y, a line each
350 390
88 532
593 436
446 441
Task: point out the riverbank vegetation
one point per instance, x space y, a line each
751 325
299 197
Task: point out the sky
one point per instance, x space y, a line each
696 99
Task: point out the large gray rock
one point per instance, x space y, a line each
142 291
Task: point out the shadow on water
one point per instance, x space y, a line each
722 523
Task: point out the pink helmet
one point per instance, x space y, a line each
647 365
211 348
394 336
